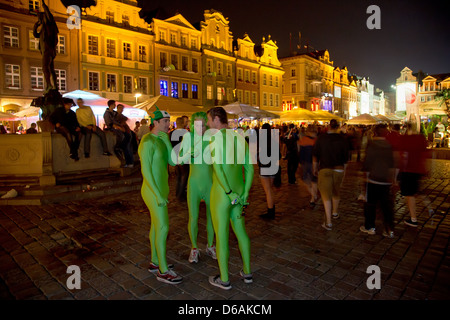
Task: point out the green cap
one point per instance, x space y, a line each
159 114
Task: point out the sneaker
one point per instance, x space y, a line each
169 277
248 278
129 166
335 215
211 251
327 226
215 281
107 153
362 197
389 234
193 256
370 231
153 268
87 155
411 223
74 156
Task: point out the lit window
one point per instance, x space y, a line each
61 79
184 90
174 93
12 76
110 48
209 92
126 51
10 37
127 84
93 45
111 82
143 85
34 42
142 53
37 78
61 48
194 91
163 90
94 81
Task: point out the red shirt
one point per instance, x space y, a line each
394 138
414 152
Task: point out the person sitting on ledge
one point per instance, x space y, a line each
65 121
32 129
87 121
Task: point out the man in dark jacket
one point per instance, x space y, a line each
65 121
379 167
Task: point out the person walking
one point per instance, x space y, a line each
413 166
330 156
306 145
229 194
379 170
291 139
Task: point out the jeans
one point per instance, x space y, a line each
378 194
88 135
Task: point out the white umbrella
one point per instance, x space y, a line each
7 117
173 106
246 111
364 118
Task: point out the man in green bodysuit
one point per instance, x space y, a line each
229 193
155 153
195 150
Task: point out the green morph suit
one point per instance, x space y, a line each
200 179
228 177
154 152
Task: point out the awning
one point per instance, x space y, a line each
245 111
363 119
173 106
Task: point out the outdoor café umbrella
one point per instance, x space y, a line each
7 117
325 115
382 117
173 106
246 111
299 114
365 118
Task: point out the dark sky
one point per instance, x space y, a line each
413 33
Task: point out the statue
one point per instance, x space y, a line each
48 40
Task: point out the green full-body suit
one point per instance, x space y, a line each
154 152
228 176
196 149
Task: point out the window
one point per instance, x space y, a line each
265 79
247 76
254 77
174 60
110 16
173 38
209 92
228 70
61 79
162 59
10 37
209 66
276 81
94 81
194 91
126 51
254 99
194 65
184 41
239 71
110 48
184 63
239 94
247 97
292 72
270 80
265 99
125 20
219 68
277 100
293 88
33 5
93 45
184 90
271 100
143 85
127 84
111 82
61 48
142 53
220 93
174 93
34 42
162 36
194 43
37 78
163 90
12 76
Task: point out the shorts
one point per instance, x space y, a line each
329 183
409 183
307 173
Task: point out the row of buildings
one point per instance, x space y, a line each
115 53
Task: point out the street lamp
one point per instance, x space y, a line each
137 95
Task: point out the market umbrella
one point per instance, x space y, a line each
174 107
299 114
246 111
364 118
325 115
28 112
382 117
7 117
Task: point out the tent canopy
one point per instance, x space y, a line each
246 111
28 112
7 117
325 115
364 118
299 114
174 107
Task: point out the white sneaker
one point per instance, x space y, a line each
370 231
10 194
193 256
211 251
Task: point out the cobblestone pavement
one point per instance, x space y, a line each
292 256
